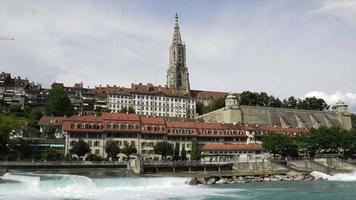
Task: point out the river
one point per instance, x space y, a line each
28 186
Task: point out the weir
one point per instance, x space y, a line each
6 165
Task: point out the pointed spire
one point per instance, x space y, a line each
176 35
176 18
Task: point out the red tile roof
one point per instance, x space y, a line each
120 116
44 121
152 120
209 94
180 124
231 147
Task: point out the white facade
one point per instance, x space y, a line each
153 105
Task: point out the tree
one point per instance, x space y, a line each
34 116
291 102
280 144
51 154
348 143
57 103
112 149
164 149
80 148
22 148
353 120
183 154
195 153
176 151
94 157
275 102
249 98
102 110
263 99
129 150
50 131
199 107
8 124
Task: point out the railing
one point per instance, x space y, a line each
64 163
183 163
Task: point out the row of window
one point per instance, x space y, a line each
219 132
84 125
147 97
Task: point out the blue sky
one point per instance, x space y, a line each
300 48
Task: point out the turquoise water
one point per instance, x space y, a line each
49 186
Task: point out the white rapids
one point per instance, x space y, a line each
336 177
59 186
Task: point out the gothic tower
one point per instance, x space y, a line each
177 74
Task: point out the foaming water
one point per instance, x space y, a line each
60 186
336 177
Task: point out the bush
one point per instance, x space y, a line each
52 155
93 157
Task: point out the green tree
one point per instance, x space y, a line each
249 98
353 120
291 102
34 116
280 144
8 124
176 151
348 143
214 105
49 131
94 157
164 149
275 102
112 149
57 103
195 153
51 154
80 148
183 154
102 110
199 107
129 150
263 99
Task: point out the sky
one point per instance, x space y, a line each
286 48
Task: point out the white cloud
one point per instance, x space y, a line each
348 98
269 46
342 9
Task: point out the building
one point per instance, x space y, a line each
144 132
57 122
232 152
233 112
84 100
177 74
151 100
20 91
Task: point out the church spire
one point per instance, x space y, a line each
177 74
176 34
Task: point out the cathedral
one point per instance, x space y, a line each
177 74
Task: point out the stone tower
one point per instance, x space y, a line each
177 74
